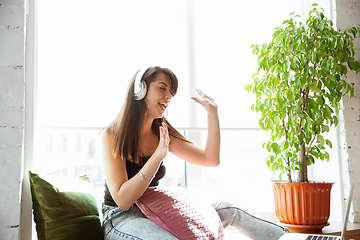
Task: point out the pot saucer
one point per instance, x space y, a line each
304 228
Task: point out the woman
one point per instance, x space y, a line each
135 144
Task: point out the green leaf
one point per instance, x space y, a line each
261 124
341 42
268 163
351 93
292 97
327 111
327 156
303 122
328 143
334 43
306 71
275 148
310 160
272 126
268 146
287 76
321 140
293 63
315 154
312 114
357 66
277 120
253 107
315 89
313 71
320 100
325 128
314 57
352 65
332 78
274 167
280 176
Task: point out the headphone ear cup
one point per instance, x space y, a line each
142 91
140 87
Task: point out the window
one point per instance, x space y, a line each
88 52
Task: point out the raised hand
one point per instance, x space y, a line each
206 101
163 147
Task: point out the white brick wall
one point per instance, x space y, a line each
12 86
348 15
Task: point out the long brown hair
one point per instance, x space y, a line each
126 128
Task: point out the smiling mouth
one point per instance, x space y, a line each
163 106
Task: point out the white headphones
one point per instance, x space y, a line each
140 87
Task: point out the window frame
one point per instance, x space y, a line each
192 173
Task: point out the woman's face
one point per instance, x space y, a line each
158 95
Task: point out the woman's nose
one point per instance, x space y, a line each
168 95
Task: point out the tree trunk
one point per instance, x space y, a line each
289 177
288 174
303 176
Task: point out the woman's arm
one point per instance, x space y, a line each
126 191
210 156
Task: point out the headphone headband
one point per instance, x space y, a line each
140 88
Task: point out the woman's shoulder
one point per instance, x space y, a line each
105 136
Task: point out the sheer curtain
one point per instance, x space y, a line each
88 52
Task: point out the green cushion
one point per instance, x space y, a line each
64 215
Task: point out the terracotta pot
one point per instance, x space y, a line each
302 203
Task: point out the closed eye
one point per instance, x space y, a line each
164 88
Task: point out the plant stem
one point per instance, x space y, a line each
288 173
302 177
310 145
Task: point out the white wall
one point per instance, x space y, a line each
12 105
348 15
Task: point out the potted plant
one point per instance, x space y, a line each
298 87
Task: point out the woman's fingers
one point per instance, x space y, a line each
164 135
200 92
197 100
164 125
206 101
203 95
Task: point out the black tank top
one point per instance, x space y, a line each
132 169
